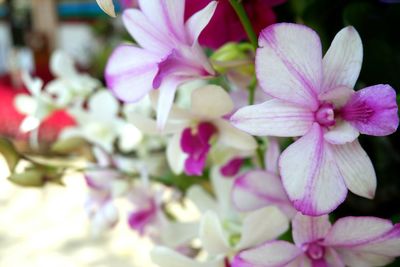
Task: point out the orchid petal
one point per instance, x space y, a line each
270 254
62 65
222 189
257 189
342 63
310 176
175 157
272 155
253 233
212 236
343 132
198 21
273 118
176 234
166 257
307 229
103 105
166 15
211 101
130 72
232 137
144 33
107 6
203 201
373 110
166 98
356 168
289 63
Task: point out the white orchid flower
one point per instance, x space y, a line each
36 106
101 125
69 84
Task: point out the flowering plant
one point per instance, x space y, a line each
177 123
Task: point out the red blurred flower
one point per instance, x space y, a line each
225 26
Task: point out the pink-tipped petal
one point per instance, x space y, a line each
272 155
365 241
270 254
356 168
273 118
307 229
289 63
145 34
130 72
342 63
198 21
373 110
257 189
310 175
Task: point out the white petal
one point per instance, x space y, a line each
25 104
165 100
356 168
275 223
211 101
232 137
198 21
273 118
307 229
310 176
107 6
103 105
343 132
272 155
175 156
203 201
129 137
342 63
62 65
289 63
212 236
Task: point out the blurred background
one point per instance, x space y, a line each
48 227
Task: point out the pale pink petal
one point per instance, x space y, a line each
356 168
270 254
165 99
272 155
130 72
145 33
343 132
198 21
233 137
310 175
166 15
275 223
342 63
333 259
257 189
211 102
273 118
373 110
338 96
289 63
308 229
364 241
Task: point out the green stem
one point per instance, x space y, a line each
244 19
252 89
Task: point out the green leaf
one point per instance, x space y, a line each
9 152
29 178
68 145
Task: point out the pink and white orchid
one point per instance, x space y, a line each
169 55
350 241
197 129
256 189
314 99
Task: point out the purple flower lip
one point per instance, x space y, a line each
325 115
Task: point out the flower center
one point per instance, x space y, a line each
325 115
315 251
196 144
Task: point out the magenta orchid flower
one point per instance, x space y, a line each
314 99
169 55
197 129
256 189
351 241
